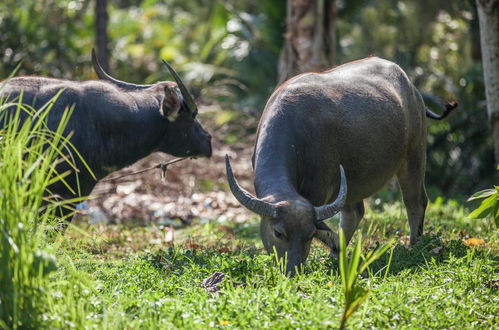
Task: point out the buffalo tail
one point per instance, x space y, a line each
448 109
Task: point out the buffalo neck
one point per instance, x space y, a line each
126 135
286 165
275 167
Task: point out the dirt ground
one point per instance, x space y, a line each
191 189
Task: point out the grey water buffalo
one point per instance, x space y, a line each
364 116
115 123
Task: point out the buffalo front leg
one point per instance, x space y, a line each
328 237
350 217
411 181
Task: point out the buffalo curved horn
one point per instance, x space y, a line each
188 99
245 198
327 211
105 76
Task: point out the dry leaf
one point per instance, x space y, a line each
405 240
211 283
223 249
474 242
436 250
194 246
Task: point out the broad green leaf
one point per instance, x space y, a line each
482 194
485 208
495 214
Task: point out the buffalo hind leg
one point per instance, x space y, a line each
411 181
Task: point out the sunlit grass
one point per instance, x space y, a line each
153 282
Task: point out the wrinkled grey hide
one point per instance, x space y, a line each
115 123
366 116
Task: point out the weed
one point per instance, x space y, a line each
350 270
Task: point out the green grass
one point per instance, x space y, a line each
128 276
133 279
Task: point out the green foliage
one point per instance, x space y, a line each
228 51
29 153
350 269
489 205
53 49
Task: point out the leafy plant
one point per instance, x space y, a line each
489 205
29 153
350 269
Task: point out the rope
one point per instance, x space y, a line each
162 166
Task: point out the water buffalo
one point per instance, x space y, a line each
365 116
114 123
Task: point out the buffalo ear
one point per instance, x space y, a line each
170 106
330 239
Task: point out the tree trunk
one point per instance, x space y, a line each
476 51
310 39
488 16
101 40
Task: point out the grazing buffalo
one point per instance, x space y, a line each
364 116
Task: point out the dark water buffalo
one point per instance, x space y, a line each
365 116
115 123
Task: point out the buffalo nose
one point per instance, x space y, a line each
209 151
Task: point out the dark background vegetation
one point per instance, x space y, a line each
228 52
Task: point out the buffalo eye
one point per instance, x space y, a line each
278 234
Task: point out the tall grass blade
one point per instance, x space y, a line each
29 154
350 270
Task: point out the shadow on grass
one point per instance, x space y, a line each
179 261
429 248
244 262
